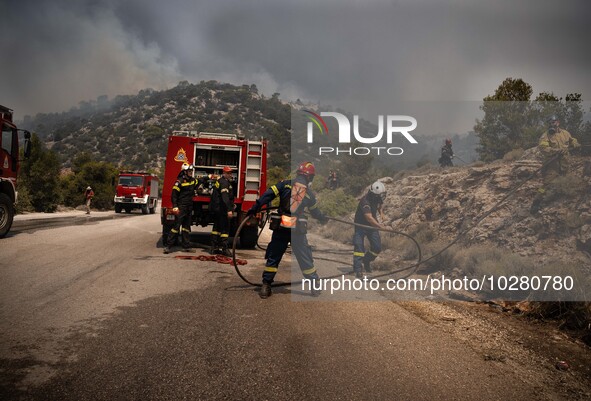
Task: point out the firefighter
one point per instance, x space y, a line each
332 180
367 210
222 204
556 142
183 191
447 154
88 195
290 225
555 145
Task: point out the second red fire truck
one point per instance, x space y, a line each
136 190
209 153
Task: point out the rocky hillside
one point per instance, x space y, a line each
131 131
446 202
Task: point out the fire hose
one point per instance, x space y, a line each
413 268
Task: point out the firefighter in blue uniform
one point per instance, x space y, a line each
222 204
290 225
367 210
183 191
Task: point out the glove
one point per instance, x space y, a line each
251 212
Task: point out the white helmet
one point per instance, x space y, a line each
378 188
187 166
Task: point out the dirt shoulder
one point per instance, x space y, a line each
531 348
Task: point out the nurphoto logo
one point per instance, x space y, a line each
392 127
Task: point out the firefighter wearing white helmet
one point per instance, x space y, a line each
183 191
368 209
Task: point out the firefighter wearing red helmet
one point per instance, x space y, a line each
222 204
182 204
290 225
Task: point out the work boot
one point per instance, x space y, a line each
166 250
359 275
265 291
224 248
213 249
367 265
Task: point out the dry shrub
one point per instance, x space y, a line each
490 260
336 231
566 187
513 155
570 315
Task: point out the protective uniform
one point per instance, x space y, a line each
369 203
290 226
222 202
556 144
183 191
447 154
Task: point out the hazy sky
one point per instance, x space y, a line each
57 53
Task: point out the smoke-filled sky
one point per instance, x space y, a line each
58 53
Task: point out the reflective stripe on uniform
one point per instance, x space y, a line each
176 188
309 271
275 190
224 235
544 143
271 269
186 184
373 253
313 207
358 254
215 233
225 190
174 231
184 229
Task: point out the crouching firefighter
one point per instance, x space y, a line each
183 191
367 210
222 204
290 225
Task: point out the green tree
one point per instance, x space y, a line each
506 113
40 177
87 172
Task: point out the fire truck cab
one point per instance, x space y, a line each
209 153
9 165
136 190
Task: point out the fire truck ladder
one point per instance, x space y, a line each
254 163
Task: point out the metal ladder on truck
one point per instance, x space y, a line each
254 161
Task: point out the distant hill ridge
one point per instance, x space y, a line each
132 130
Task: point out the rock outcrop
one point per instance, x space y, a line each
451 201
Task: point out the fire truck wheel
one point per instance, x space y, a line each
6 214
248 237
118 208
153 210
145 209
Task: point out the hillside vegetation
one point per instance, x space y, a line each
132 130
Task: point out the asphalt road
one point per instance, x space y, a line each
95 311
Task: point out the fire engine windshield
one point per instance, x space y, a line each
131 181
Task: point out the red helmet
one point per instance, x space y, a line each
227 169
307 169
448 141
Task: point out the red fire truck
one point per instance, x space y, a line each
209 153
9 165
136 190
